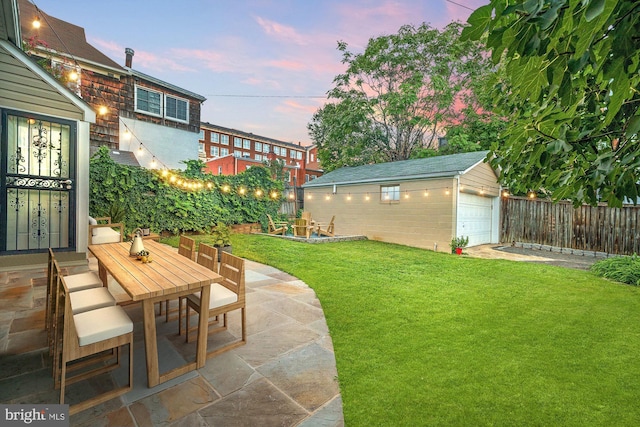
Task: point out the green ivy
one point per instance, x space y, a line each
143 199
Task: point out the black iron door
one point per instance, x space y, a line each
37 189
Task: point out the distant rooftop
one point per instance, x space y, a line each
250 135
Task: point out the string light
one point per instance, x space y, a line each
102 110
36 22
73 76
426 192
242 191
406 194
349 196
258 192
367 197
154 162
446 192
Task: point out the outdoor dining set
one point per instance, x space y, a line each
87 329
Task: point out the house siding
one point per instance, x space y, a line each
21 89
104 90
420 221
480 180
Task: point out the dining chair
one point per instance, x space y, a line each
86 334
187 248
225 297
75 282
207 257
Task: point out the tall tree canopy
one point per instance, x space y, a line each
395 96
572 90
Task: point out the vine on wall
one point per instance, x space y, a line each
143 199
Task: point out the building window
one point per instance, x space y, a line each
258 146
214 151
389 193
148 101
246 144
299 154
258 157
237 154
224 152
201 148
306 177
214 137
202 134
176 109
276 150
265 148
292 154
245 154
219 170
224 139
237 142
283 152
312 157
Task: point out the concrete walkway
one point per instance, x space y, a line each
285 375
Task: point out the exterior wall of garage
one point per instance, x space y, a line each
425 214
422 217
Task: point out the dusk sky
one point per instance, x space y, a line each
264 66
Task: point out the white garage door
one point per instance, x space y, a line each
475 218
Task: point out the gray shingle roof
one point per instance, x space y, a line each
432 167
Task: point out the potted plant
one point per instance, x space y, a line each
458 243
221 236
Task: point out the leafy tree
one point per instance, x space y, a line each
571 89
395 96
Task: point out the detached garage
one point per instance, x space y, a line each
422 203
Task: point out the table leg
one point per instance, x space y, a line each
203 325
151 343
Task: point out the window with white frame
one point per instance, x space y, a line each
299 154
201 148
237 142
224 139
176 108
237 154
276 150
224 152
202 134
148 101
246 144
283 152
312 157
389 193
214 151
258 146
245 154
214 137
265 148
258 157
155 103
292 154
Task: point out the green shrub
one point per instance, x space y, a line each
141 197
624 269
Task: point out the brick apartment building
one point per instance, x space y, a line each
230 151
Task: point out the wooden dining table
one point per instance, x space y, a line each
168 276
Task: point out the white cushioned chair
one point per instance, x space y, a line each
90 299
88 334
104 232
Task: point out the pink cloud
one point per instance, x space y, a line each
280 31
141 58
287 65
291 106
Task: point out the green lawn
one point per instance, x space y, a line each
424 338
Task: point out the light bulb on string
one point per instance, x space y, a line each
242 191
367 197
36 22
102 110
153 162
274 194
426 192
73 76
258 192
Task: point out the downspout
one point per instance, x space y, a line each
457 196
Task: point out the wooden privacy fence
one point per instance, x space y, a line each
588 228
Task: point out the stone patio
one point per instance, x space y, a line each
284 376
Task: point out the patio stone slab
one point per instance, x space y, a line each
305 374
227 373
27 341
174 403
328 416
11 366
121 417
27 320
301 312
16 297
191 420
258 404
25 385
285 277
275 342
255 279
286 288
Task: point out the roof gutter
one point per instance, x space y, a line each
401 178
